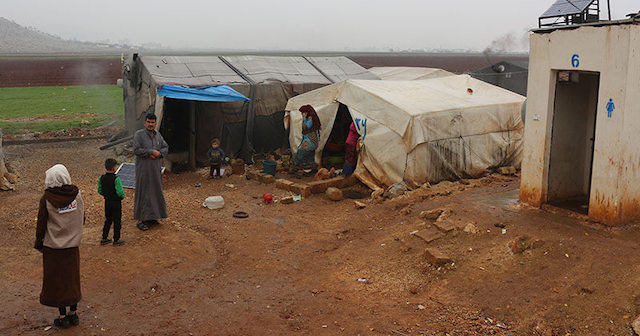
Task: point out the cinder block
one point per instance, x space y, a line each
267 179
253 175
318 187
436 257
301 189
283 184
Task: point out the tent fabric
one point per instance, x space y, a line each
220 93
275 80
408 73
419 131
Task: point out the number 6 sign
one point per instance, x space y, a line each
575 60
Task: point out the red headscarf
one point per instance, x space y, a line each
312 113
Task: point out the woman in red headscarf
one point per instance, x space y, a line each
305 155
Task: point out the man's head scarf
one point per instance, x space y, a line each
57 176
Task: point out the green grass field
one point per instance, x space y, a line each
39 109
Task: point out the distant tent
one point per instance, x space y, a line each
512 76
418 131
244 127
408 73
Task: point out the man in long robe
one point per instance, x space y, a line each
149 147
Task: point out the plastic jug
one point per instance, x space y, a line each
213 202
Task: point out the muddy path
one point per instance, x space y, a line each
295 269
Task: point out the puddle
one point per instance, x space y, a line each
502 200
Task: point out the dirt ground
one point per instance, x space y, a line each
295 269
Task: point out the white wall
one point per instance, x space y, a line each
613 51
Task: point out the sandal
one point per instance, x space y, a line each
142 226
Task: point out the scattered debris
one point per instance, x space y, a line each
268 198
395 190
500 225
359 205
436 257
523 243
334 194
287 200
508 170
470 228
428 235
376 194
405 210
636 325
445 226
431 214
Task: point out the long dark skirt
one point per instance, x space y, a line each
61 277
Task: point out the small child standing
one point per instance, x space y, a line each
110 187
216 157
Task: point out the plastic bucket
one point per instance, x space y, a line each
269 167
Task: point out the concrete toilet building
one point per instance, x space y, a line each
582 128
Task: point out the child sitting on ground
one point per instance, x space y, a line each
216 158
110 187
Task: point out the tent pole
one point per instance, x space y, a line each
192 134
609 8
247 148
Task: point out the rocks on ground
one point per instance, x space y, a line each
523 243
334 194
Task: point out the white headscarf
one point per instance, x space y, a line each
57 176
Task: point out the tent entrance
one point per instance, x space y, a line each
188 127
175 130
333 152
572 140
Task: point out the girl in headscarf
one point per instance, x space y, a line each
305 155
58 235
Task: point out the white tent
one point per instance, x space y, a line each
418 131
408 73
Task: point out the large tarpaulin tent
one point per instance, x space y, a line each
408 73
418 131
243 127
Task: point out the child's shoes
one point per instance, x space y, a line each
73 319
105 241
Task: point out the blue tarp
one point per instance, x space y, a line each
220 93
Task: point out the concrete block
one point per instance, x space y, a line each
431 214
267 179
283 184
301 189
436 257
318 187
429 235
445 226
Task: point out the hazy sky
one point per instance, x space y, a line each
289 24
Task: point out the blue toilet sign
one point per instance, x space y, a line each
610 108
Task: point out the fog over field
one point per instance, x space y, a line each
355 25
